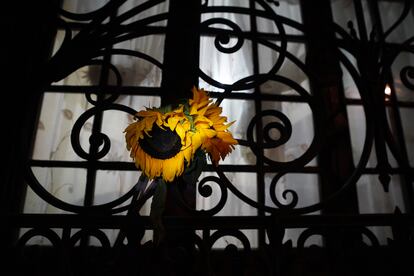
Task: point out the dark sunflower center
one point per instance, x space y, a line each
162 144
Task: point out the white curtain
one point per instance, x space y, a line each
229 68
60 111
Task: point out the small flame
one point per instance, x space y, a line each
387 90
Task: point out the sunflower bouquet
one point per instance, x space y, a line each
171 142
164 142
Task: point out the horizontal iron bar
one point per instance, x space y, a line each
130 166
109 89
228 222
212 32
387 103
156 91
263 35
77 26
262 96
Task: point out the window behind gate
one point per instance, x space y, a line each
321 96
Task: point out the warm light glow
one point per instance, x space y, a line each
387 90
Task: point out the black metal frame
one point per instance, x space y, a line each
340 224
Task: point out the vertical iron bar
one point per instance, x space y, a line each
96 129
335 156
359 12
406 180
259 126
180 74
181 54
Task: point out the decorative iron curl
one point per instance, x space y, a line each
407 72
99 234
352 179
136 54
325 232
98 139
95 36
108 208
407 77
67 34
47 233
388 57
405 12
370 235
253 81
206 191
44 232
102 12
232 233
272 191
114 69
118 77
384 54
87 233
309 232
284 128
223 37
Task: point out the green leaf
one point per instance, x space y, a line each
165 109
186 108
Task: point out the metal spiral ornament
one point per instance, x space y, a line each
205 190
285 193
407 77
224 36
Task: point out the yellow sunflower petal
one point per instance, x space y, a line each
181 132
156 168
202 111
226 137
188 153
193 109
209 147
179 161
169 169
149 122
209 133
197 140
196 97
172 122
213 110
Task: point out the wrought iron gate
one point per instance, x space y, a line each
337 220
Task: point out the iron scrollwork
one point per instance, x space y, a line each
85 49
89 44
281 123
